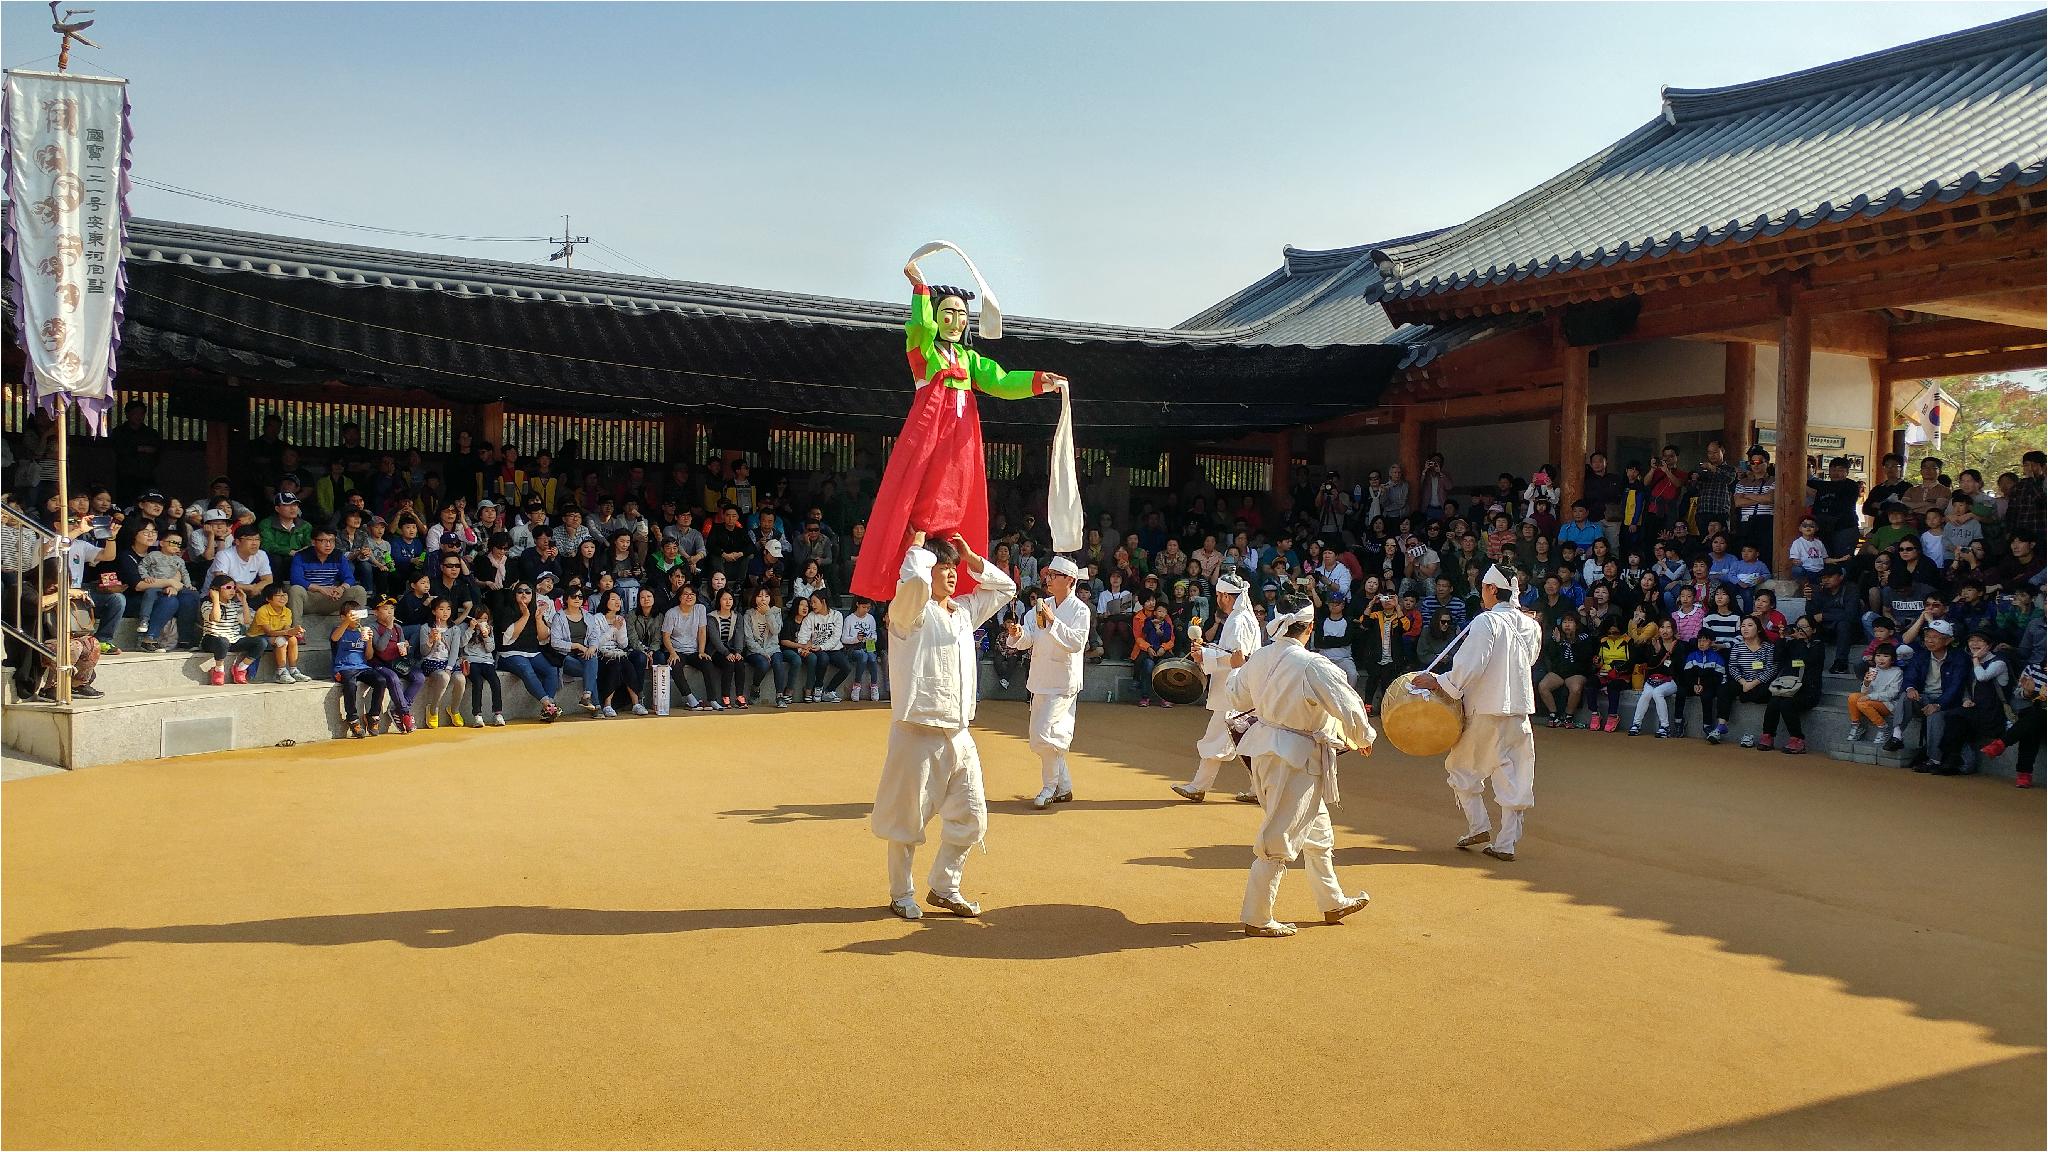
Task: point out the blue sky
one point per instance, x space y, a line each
1114 163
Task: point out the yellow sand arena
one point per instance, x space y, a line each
671 933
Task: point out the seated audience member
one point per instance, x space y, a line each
1568 663
823 651
351 640
278 626
223 620
1662 659
1884 685
441 642
391 660
1752 665
320 579
862 636
1801 654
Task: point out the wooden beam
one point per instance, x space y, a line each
1847 333
1659 404
491 423
1795 385
1281 478
1738 387
1915 290
2020 360
1571 445
1958 337
2024 307
217 438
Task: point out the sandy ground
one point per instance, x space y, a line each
670 933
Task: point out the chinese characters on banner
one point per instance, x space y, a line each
66 160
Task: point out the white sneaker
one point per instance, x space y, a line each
832 697
284 676
497 719
1044 797
608 712
856 693
690 704
639 709
299 674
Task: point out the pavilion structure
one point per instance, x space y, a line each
1701 272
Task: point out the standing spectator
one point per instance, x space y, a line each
1397 499
351 640
137 449
222 618
760 635
861 637
1714 484
480 666
441 644
1603 491
1380 652
1892 486
2024 508
1930 493
1435 487
1755 491
1834 509
523 637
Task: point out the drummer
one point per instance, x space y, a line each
1236 639
1056 632
1490 673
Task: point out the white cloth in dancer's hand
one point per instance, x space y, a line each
991 324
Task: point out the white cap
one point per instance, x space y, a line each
1941 626
773 547
216 515
1064 567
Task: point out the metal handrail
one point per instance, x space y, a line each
24 545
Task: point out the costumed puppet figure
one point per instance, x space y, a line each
1490 675
932 768
936 480
1056 633
1308 714
1236 640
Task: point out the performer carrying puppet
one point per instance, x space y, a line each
1056 634
936 480
1236 640
1308 714
1490 674
932 767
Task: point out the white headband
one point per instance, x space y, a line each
1279 624
1233 585
1499 579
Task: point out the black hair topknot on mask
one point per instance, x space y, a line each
941 291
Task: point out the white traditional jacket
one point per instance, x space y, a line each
933 665
1490 672
1056 667
1300 696
1240 633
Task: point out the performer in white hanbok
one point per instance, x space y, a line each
1056 634
932 768
1490 674
1236 640
1308 714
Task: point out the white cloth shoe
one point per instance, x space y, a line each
1044 797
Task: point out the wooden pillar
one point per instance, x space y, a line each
1282 479
1738 385
678 439
1883 417
1411 450
491 423
1795 380
217 438
1571 424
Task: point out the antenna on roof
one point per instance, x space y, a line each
568 244
71 30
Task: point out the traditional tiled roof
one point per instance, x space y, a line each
1888 132
288 310
1326 296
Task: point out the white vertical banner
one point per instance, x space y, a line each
66 166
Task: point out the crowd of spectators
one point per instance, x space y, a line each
703 584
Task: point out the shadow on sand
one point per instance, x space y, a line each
1042 932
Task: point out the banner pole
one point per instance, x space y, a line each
61 640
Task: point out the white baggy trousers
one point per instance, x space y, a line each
1295 822
948 766
1052 733
1501 749
1216 747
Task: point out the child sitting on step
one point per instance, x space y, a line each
222 617
1883 684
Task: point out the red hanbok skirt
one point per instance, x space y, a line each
936 479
